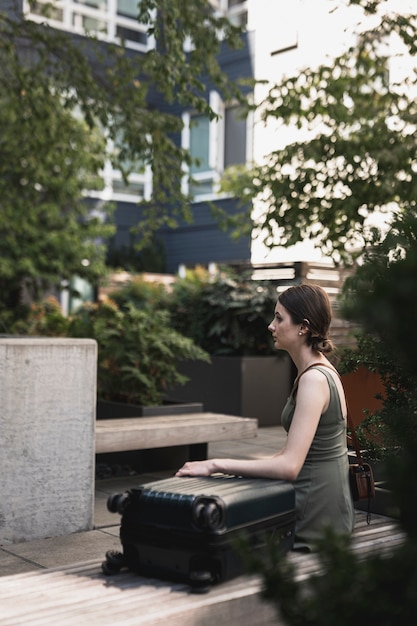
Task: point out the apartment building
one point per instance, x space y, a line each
281 38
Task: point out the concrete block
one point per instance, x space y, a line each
47 419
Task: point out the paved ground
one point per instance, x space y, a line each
93 544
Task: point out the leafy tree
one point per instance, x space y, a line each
381 296
381 293
361 157
48 158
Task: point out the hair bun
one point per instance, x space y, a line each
322 345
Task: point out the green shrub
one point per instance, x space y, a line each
44 319
138 351
227 314
186 305
383 432
379 589
141 293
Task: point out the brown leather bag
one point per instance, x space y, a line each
361 477
362 483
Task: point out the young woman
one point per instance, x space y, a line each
314 457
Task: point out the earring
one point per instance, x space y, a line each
300 333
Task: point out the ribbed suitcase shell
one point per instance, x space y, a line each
185 528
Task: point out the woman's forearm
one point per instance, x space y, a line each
276 467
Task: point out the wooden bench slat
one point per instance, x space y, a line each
142 433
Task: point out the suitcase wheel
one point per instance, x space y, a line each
114 562
116 503
207 515
201 581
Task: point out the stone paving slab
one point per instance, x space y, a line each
58 551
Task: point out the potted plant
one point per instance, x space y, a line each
138 355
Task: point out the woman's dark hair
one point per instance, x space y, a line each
310 305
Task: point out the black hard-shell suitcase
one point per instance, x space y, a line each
185 529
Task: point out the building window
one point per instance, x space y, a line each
136 188
215 145
235 137
199 146
200 143
111 20
138 185
235 10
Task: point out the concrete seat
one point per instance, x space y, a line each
193 429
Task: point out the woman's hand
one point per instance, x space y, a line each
197 468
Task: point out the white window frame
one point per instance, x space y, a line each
216 148
110 175
109 194
108 16
236 14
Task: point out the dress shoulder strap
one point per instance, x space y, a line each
318 364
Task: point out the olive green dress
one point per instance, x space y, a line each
322 490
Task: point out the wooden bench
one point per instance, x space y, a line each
195 430
81 594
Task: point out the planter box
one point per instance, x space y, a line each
361 388
114 410
253 386
382 504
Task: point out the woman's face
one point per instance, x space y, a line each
284 331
